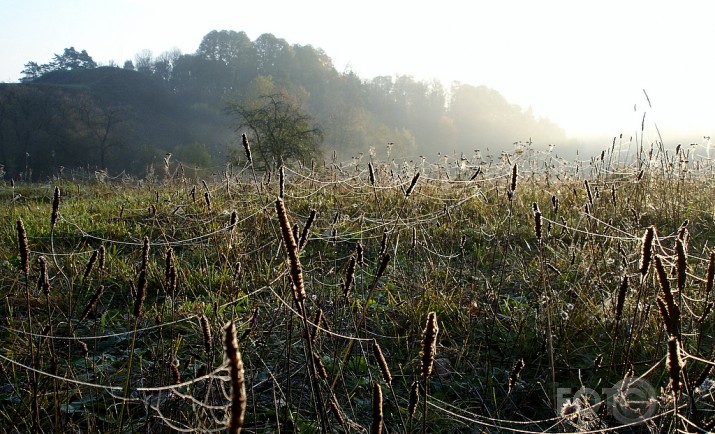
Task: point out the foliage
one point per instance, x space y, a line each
69 60
280 129
459 246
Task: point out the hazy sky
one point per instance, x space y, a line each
582 64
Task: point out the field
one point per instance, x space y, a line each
504 293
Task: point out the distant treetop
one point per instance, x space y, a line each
67 61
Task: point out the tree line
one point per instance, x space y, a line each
73 112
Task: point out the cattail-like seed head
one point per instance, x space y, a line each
55 207
246 147
296 270
588 192
306 229
382 363
377 414
171 282
613 194
360 254
372 173
102 259
711 274
296 232
514 176
193 193
206 331
537 222
90 264
675 363
207 199
145 253
141 293
83 349
621 296
383 243
238 384
673 309
234 219
92 303
43 280
320 367
429 345
281 183
681 262
383 266
663 310
414 398
646 250
169 262
706 312
516 370
555 204
335 408
23 250
349 276
317 320
409 190
175 374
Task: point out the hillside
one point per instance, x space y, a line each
125 118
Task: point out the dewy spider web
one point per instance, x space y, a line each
237 272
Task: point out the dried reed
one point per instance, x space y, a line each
377 414
306 229
382 363
296 270
646 251
429 345
238 384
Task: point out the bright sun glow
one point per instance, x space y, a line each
584 66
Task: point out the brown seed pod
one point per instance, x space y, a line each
377 414
296 270
206 331
675 364
238 384
429 345
382 363
55 207
414 398
92 303
23 250
646 250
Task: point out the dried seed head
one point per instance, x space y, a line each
102 258
246 147
175 374
382 363
43 280
23 250
306 229
514 176
514 376
588 192
555 204
372 173
383 266
206 330
92 303
234 219
238 384
319 367
711 274
335 408
377 414
409 190
207 199
349 276
90 264
141 293
672 307
646 250
429 345
414 398
296 270
537 221
621 297
681 262
675 363
55 207
360 254
145 253
317 320
281 183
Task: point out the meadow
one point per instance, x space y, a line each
516 292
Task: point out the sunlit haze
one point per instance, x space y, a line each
582 65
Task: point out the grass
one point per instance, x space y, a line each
447 242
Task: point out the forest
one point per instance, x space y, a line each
73 112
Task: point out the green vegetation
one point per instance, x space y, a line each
71 113
547 316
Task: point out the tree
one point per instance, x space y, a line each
69 60
279 129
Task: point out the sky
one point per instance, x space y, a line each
582 64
